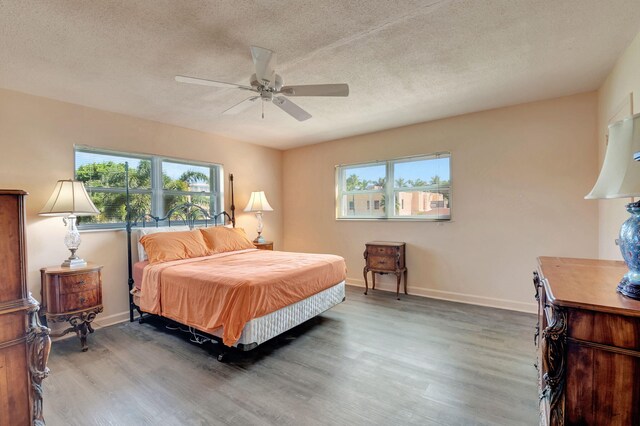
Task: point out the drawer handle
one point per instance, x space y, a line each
81 282
82 300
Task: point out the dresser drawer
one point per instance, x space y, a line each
382 250
385 263
78 301
605 329
78 283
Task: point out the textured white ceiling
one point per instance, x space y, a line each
405 61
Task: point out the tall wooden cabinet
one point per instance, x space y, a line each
588 338
24 342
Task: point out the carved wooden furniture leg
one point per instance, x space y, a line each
405 281
373 276
39 345
366 284
398 277
80 324
83 329
554 338
366 266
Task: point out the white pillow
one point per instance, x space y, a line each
142 255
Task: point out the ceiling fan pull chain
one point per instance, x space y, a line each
262 109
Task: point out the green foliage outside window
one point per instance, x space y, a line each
105 183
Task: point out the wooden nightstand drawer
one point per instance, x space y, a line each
382 251
78 283
386 263
77 301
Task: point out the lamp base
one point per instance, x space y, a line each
259 239
74 263
629 289
630 250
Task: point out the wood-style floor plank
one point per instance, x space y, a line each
372 360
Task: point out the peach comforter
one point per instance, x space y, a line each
229 289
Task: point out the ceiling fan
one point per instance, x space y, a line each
269 87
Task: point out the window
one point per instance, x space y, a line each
418 187
156 185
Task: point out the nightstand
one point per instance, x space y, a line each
73 295
267 245
385 257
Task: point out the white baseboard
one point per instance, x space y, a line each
471 299
105 321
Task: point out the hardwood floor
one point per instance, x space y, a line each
372 360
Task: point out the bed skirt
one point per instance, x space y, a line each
261 329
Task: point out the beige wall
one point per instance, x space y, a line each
519 175
37 136
613 104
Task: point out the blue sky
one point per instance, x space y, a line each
423 169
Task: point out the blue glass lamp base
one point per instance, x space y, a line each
629 243
629 289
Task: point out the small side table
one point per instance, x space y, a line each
72 295
385 257
267 245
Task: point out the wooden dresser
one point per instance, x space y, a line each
588 338
385 257
24 343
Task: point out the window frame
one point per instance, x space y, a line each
157 191
390 190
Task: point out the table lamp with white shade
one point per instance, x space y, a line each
620 178
258 203
70 200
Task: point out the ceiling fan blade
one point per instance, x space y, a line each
203 82
241 106
265 62
290 108
316 90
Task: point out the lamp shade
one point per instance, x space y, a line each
69 197
620 173
258 203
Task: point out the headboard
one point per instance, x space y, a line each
183 214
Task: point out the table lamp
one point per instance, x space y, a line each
70 200
620 178
258 203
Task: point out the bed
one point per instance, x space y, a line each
240 298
